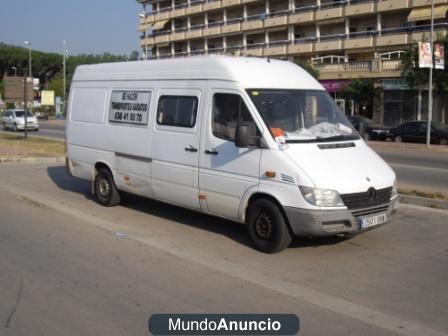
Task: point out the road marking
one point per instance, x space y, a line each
339 306
399 165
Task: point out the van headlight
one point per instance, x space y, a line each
321 197
394 192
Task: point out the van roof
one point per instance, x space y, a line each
250 72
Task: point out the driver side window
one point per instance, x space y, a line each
228 111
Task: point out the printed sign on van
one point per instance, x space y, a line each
130 107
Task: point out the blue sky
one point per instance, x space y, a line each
88 26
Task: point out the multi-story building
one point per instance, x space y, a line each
342 39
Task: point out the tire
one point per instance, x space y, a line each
267 227
398 139
443 141
106 191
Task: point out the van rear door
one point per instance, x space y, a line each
175 147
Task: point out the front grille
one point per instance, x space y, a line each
368 199
370 211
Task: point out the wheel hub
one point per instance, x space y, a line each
104 188
263 226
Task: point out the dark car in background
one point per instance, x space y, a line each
372 130
415 131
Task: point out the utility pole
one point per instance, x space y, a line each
431 43
25 103
144 16
32 85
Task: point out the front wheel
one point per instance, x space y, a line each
106 191
267 227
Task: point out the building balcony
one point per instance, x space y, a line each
330 13
360 8
301 17
392 5
376 68
231 28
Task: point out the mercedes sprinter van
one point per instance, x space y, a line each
254 140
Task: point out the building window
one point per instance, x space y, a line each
179 111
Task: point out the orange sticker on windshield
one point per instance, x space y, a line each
277 132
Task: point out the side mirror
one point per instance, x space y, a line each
242 136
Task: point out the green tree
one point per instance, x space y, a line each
415 76
362 92
308 67
134 56
56 85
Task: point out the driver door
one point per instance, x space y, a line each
226 172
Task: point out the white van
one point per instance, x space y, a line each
253 140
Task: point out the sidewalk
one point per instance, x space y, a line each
408 145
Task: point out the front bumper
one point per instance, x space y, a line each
29 126
315 223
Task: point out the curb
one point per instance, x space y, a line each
414 146
422 201
57 159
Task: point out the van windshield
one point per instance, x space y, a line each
302 115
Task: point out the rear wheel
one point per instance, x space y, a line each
106 191
398 139
267 226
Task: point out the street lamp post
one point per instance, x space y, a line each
143 15
32 85
64 67
431 43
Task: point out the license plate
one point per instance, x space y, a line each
372 221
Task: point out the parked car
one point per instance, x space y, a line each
42 115
372 130
415 131
15 120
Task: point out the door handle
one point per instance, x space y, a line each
211 152
191 149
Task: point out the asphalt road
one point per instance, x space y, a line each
51 129
418 168
71 267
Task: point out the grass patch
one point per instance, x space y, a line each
419 193
15 145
